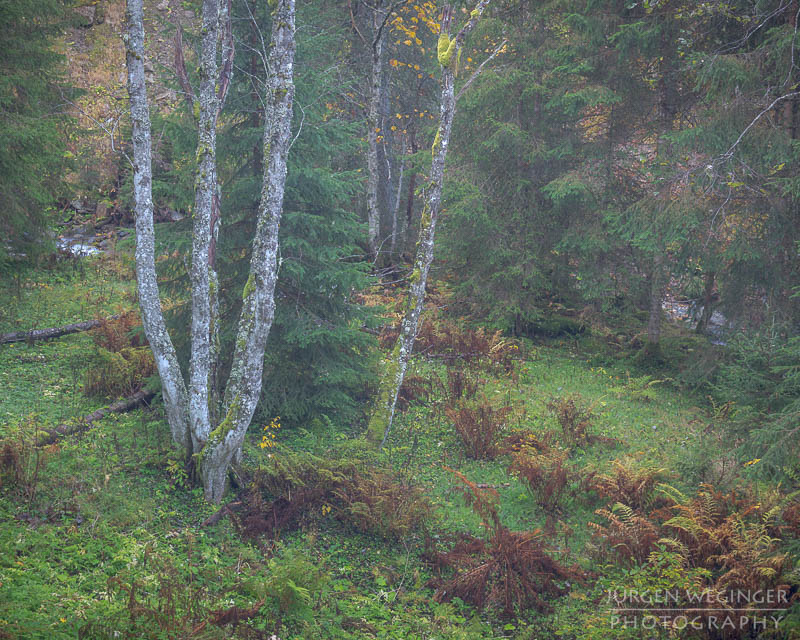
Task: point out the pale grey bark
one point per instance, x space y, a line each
172 385
374 124
258 299
193 415
396 206
392 379
205 190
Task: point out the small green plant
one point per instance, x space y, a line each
22 463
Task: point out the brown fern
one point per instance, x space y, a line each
506 569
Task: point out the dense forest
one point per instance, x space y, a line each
332 319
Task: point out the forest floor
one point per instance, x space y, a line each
102 535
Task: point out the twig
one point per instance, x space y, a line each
479 69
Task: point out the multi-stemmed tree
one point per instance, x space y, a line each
212 431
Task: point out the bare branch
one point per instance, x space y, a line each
180 69
729 153
228 52
480 69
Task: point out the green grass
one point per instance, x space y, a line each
107 509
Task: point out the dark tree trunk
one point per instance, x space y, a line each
708 302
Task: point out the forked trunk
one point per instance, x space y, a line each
258 299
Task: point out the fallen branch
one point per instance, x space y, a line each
226 510
54 332
49 436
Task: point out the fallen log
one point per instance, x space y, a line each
49 436
55 332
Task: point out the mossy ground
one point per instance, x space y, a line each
109 508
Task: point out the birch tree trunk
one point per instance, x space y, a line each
173 387
192 415
395 367
374 119
206 108
258 299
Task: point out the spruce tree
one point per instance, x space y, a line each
32 155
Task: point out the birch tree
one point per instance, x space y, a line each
380 15
212 431
449 54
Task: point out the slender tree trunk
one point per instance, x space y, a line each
258 299
396 206
708 302
219 446
657 285
392 378
206 107
375 131
172 385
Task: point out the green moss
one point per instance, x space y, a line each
445 49
425 218
273 4
196 109
475 14
379 420
224 428
249 287
436 142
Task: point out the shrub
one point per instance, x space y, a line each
545 473
380 504
122 362
478 424
574 416
295 487
627 536
449 341
414 388
631 485
506 568
459 384
22 463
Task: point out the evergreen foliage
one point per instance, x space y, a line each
318 361
32 155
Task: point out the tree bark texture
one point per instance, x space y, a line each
258 299
382 416
374 122
54 332
192 416
172 384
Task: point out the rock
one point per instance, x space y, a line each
99 14
188 13
83 206
163 6
148 66
101 211
123 234
173 216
